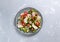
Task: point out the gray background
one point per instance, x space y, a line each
50 10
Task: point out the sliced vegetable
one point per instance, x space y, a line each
21 29
33 10
25 12
28 25
34 30
40 26
25 30
23 23
37 24
25 20
30 22
35 27
30 11
19 25
33 13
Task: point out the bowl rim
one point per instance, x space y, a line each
15 22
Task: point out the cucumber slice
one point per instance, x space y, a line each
21 29
33 10
34 30
30 12
39 27
25 30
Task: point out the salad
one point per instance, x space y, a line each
29 21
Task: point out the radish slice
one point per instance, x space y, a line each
29 15
38 17
33 13
19 26
35 27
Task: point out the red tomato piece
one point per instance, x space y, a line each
22 16
37 23
23 23
25 13
28 25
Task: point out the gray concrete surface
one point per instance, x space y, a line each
50 10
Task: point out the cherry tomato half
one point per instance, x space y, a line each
37 24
